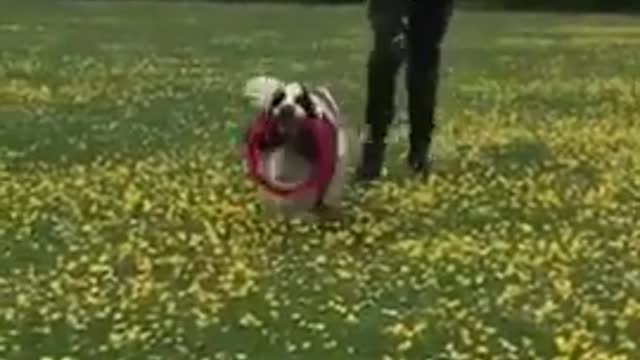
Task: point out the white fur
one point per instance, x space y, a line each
291 91
260 88
284 162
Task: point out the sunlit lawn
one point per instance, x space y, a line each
128 231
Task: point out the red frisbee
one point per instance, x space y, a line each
325 138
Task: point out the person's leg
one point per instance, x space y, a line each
385 58
428 23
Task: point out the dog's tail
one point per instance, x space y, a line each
260 88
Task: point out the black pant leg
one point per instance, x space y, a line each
384 61
428 23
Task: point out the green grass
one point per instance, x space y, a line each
128 231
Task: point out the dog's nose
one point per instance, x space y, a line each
287 111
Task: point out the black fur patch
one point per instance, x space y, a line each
276 99
304 100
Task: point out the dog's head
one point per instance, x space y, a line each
289 106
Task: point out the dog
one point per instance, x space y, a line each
289 157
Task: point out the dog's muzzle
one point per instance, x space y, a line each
286 119
287 112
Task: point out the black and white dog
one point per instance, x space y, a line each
290 159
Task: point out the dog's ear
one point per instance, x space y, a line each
326 95
261 89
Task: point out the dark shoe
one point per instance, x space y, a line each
371 162
420 164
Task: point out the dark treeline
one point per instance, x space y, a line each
623 6
616 6
560 5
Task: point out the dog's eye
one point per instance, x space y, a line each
277 98
305 102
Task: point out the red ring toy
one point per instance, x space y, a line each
325 137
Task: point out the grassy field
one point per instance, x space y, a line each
128 231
